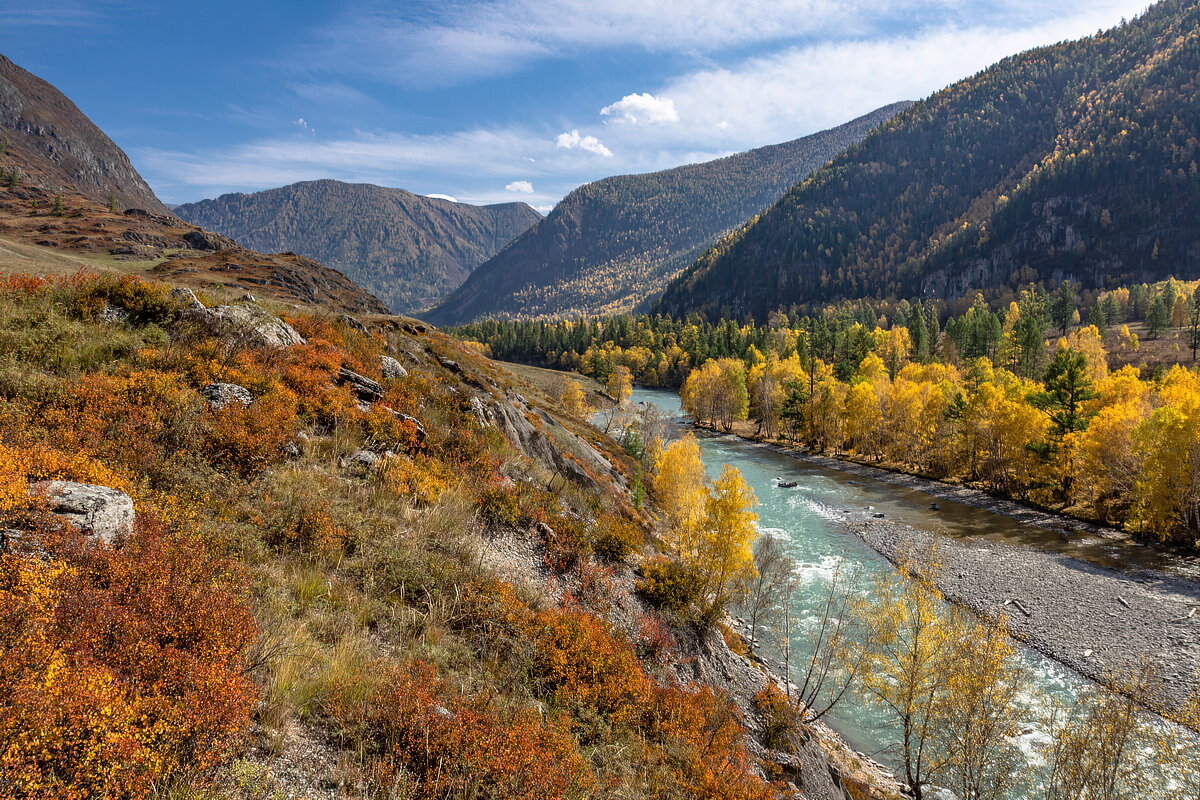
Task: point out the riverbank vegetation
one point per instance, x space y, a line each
1038 401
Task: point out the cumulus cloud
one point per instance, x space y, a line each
435 196
521 187
644 107
573 141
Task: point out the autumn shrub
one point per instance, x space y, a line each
145 303
780 716
426 741
583 662
701 735
118 667
615 539
670 584
248 439
422 479
500 507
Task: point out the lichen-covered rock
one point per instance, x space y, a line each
361 461
245 323
220 395
186 297
391 368
364 388
99 511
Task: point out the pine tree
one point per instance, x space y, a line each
1158 317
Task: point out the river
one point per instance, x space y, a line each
810 519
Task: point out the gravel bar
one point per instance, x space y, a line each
1096 620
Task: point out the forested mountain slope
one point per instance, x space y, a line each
1075 161
612 243
408 249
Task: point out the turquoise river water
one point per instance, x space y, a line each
810 520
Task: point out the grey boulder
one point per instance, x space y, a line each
220 395
392 368
98 511
246 324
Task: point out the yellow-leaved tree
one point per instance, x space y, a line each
681 490
710 527
571 398
620 384
726 557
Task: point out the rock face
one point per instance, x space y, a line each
220 395
207 240
98 511
353 324
246 323
187 297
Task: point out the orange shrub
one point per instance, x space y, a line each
436 744
705 743
582 661
118 666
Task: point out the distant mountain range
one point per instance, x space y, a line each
70 199
1071 162
408 249
614 243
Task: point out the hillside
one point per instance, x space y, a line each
71 201
611 244
408 249
57 147
1075 161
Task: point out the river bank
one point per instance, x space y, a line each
1100 622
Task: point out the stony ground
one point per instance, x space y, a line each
1096 620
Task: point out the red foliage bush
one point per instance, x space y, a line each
118 666
436 744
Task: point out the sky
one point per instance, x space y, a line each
489 101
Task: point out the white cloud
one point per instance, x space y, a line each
437 42
443 197
644 107
573 141
521 187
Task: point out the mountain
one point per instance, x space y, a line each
1071 162
70 200
408 249
613 243
60 148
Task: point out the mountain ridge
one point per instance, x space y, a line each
614 242
57 145
409 249
1067 162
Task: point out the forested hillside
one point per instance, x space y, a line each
1082 404
612 244
408 249
1076 161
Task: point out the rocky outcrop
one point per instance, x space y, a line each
364 388
207 240
98 511
186 298
391 368
353 324
220 395
245 323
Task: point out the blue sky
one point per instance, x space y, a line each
497 100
